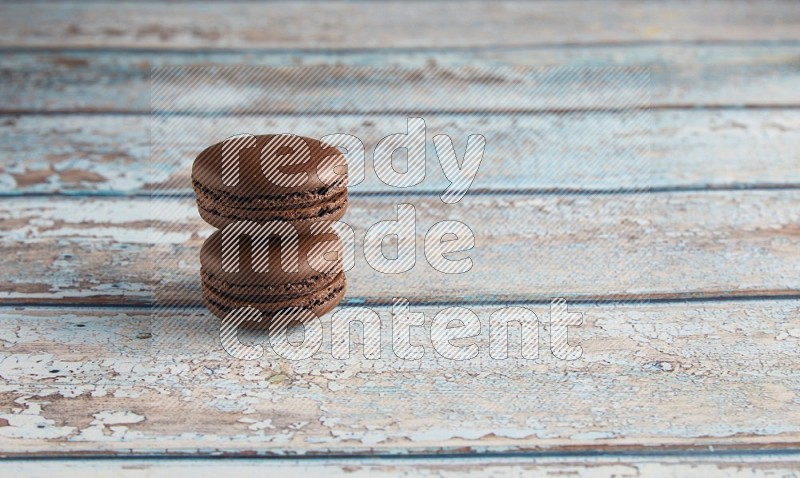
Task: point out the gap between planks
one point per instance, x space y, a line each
343 25
401 111
746 464
665 298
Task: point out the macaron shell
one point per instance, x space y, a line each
316 254
319 302
207 168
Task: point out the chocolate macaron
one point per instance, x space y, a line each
270 273
270 178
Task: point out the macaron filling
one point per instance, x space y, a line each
256 291
331 208
298 199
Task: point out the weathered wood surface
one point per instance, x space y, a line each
674 376
358 25
673 149
689 244
744 464
652 377
680 76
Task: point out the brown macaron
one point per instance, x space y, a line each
270 178
314 280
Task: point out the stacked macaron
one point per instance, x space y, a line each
267 194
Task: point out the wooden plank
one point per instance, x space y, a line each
357 25
682 149
702 75
672 245
348 90
663 378
750 465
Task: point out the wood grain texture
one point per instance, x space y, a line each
680 76
123 251
657 377
660 387
581 151
744 464
358 25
